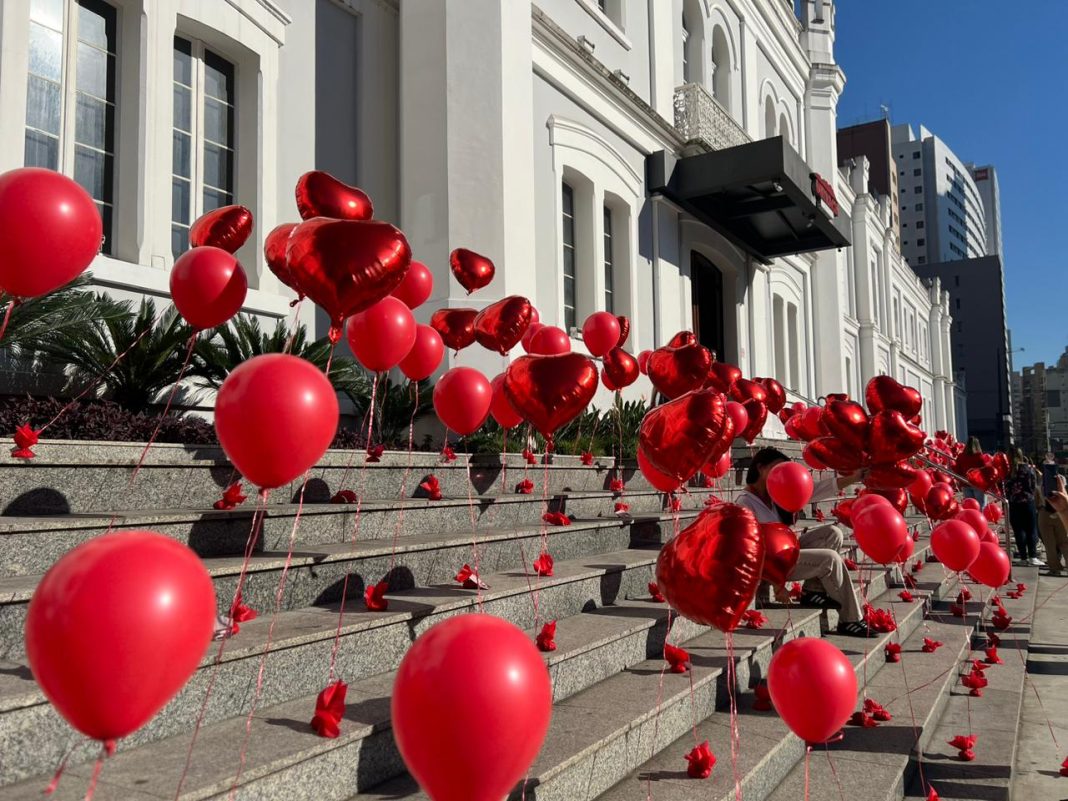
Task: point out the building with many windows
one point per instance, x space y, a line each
671 160
1041 393
986 181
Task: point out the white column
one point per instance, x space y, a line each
663 51
14 67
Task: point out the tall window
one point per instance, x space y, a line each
685 49
568 204
609 282
70 96
203 150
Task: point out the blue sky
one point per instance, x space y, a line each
991 79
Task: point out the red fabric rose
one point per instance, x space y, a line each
622 508
239 613
1001 620
525 487
556 519
917 566
448 454
879 619
893 652
678 659
964 745
374 452
543 565
344 496
877 710
469 579
546 639
930 646
432 487
992 656
231 497
528 456
586 458
754 619
851 564
616 485
975 682
700 762
906 596
25 438
374 596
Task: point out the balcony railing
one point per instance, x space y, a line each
700 118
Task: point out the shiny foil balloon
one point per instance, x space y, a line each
776 399
456 326
501 325
346 266
891 438
680 436
675 371
744 390
550 390
320 194
758 415
834 453
471 269
682 338
654 476
621 367
226 228
709 573
624 330
781 549
883 392
940 503
810 424
848 422
274 252
890 476
722 377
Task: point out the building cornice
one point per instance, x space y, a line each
265 15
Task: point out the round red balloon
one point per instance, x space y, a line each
528 335
549 341
116 627
991 566
955 544
382 335
813 687
643 361
50 229
790 486
462 399
208 286
416 287
974 518
501 408
274 252
970 503
880 531
468 669
275 416
425 356
739 416
600 332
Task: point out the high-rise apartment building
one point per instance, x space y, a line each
986 181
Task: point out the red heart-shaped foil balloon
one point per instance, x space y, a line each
456 326
471 269
848 422
891 438
624 330
890 476
680 436
227 228
744 390
781 551
883 392
982 478
501 325
940 503
682 338
709 573
758 415
620 367
810 424
776 399
274 251
346 266
320 194
675 371
834 453
722 376
550 390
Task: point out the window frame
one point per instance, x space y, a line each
608 258
568 228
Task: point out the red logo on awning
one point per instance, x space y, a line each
824 192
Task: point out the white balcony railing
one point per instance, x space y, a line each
700 118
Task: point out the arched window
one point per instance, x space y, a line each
692 42
769 117
721 68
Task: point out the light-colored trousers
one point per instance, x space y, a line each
820 562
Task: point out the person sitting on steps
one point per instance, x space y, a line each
827 583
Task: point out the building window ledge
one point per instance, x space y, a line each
602 19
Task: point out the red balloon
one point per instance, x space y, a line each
682 338
790 486
848 422
621 367
832 452
624 330
462 399
744 390
50 228
425 356
883 392
471 668
973 517
720 468
535 316
116 627
606 382
868 500
955 544
550 390
892 438
940 503
907 550
655 477
320 194
643 361
208 286
739 416
346 266
275 416
970 503
781 550
776 399
550 341
601 333
471 269
722 376
680 436
501 325
919 488
532 329
897 497
992 512
880 530
382 335
813 687
843 512
811 459
890 476
711 570
810 424
226 228
274 252
416 287
758 416
992 566
676 371
456 327
501 408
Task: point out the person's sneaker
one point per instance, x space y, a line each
818 600
854 629
1034 560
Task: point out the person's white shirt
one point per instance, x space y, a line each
823 489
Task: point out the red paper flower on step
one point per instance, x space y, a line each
710 501
374 452
469 579
675 504
980 665
992 657
239 613
916 534
964 595
448 454
25 438
957 610
917 566
622 508
995 600
879 619
932 795
329 709
851 564
893 652
546 639
707 483
231 497
877 710
820 516
863 719
910 581
906 596
930 646
975 682
1064 767
992 640
1021 588
529 457
678 659
754 619
1014 595
1001 620
616 485
654 591
344 496
556 519
761 698
543 565
374 596
700 762
525 487
586 458
796 591
965 746
432 487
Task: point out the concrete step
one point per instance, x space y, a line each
33 738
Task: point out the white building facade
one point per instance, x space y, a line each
577 143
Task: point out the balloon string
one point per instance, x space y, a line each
834 772
294 326
413 388
54 784
732 695
7 317
912 710
479 600
97 767
330 361
808 751
257 517
504 463
656 718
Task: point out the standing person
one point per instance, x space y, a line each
820 565
971 457
1020 489
1051 525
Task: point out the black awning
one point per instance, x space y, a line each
761 195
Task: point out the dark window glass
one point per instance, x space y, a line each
568 205
609 278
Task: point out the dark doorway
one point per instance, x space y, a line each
706 282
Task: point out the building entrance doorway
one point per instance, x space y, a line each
706 283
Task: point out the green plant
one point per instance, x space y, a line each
395 405
69 310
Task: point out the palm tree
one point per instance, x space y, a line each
395 404
69 309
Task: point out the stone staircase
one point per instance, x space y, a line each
620 725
